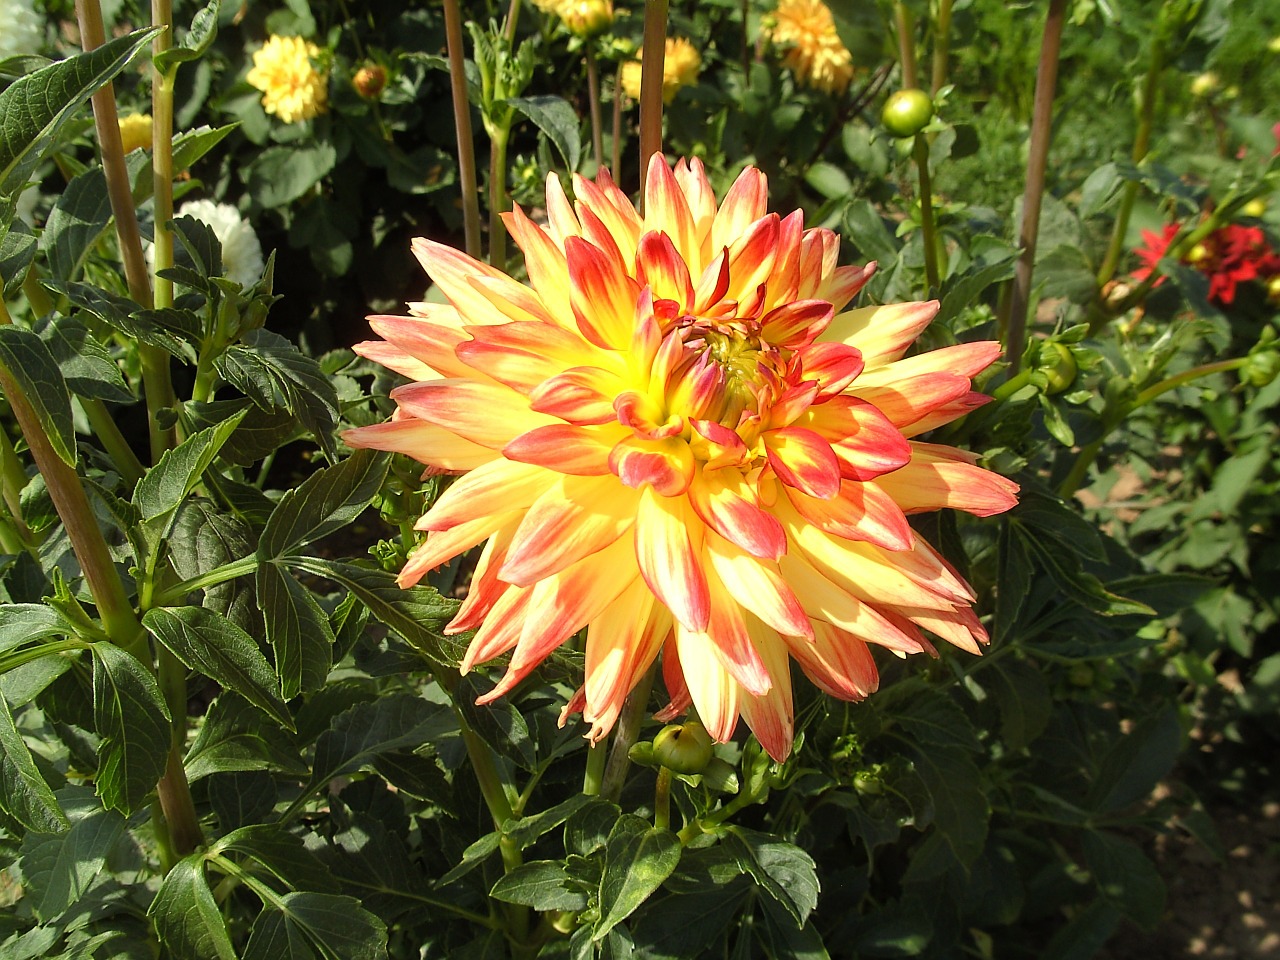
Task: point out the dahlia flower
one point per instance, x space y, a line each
293 89
676 436
135 131
23 30
680 68
815 55
1229 256
241 250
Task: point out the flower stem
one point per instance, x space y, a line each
651 69
1015 325
628 730
597 754
162 150
616 146
906 44
173 789
593 95
928 228
498 195
662 800
513 18
941 46
462 126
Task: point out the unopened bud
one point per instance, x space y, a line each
370 80
586 18
1254 208
1197 253
1205 85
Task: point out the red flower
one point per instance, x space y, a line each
1229 256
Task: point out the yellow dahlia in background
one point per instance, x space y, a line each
679 69
293 89
816 55
586 18
676 436
135 131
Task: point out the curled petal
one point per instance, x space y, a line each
804 460
933 480
861 511
751 260
660 267
581 395
796 324
726 503
833 365
665 464
864 441
745 203
622 644
667 210
837 662
771 715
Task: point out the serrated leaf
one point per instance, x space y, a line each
960 807
541 884
475 854
131 718
78 218
280 175
1136 763
1126 877
17 251
316 926
27 360
34 107
499 724
278 854
186 917
638 858
88 369
58 868
24 793
782 870
127 317
1024 700
528 829
933 718
204 28
236 737
326 501
208 642
297 629
276 376
372 863
555 117
24 622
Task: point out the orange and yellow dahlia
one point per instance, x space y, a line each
676 436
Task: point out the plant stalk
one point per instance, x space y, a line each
928 226
593 95
498 139
941 46
652 63
662 800
627 732
906 44
462 126
1015 327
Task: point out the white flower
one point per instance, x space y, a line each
241 251
23 30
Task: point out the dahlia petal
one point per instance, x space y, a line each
545 263
833 365
668 542
691 176
714 693
396 359
596 233
521 355
501 629
959 627
575 518
745 203
603 296
566 448
828 602
561 220
613 208
934 482
425 442
514 300
804 460
713 283
495 487
665 464
667 210
837 662
784 286
441 547
861 511
907 401
715 445
727 636
424 339
673 679
751 259
486 588
963 359
793 402
580 395
819 251
947 413
452 271
622 644
844 283
485 413
863 440
882 333
726 503
758 586
796 324
660 267
771 716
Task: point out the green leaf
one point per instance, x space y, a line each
276 376
155 328
638 858
131 718
76 222
58 868
1126 877
24 622
372 862
475 854
87 367
34 107
1136 763
236 737
933 718
326 501
500 724
316 926
24 793
278 854
1084 935
211 644
418 614
780 939
960 807
282 174
17 250
558 120
160 492
297 629
1024 700
528 829
541 884
204 28
1013 583
782 870
186 917
829 180
962 291
26 358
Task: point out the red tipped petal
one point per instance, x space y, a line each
862 511
863 439
660 267
485 413
668 548
604 297
564 448
931 482
667 210
837 662
622 643
882 333
796 324
665 464
442 547
495 487
713 691
804 460
771 716
726 503
758 586
833 365
425 442
745 203
581 395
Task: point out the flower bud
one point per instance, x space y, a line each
1197 253
683 748
370 80
1254 208
907 112
1061 367
1205 85
135 131
586 18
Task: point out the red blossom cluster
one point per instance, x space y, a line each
1229 256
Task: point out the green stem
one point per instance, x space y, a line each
597 754
1015 324
941 46
615 148
173 790
513 18
1187 376
1141 144
41 304
18 659
627 732
498 138
593 95
928 228
662 800
13 478
210 578
906 44
462 127
653 58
